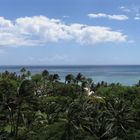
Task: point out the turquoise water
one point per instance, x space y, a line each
126 75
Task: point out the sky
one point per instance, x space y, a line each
69 32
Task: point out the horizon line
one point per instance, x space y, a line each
28 65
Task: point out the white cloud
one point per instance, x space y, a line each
136 18
113 17
4 23
66 16
39 30
95 34
125 9
134 10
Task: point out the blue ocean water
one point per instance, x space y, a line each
124 74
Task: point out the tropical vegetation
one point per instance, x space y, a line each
42 107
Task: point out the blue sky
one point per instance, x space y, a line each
69 32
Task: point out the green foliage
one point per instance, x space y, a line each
70 90
69 78
41 107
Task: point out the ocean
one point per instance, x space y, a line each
124 74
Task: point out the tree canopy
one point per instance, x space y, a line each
42 107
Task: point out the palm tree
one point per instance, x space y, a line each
28 74
119 118
69 78
25 91
23 73
51 79
79 77
45 74
56 77
84 114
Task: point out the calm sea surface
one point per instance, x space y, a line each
126 75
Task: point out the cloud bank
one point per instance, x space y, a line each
40 30
113 17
